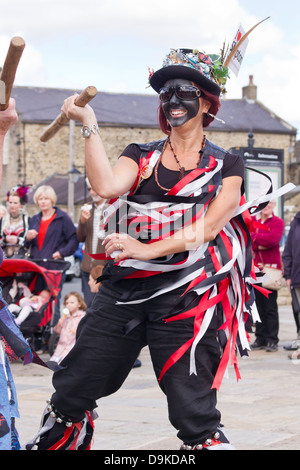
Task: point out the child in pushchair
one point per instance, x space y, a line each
28 312
23 278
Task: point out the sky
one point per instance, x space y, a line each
74 44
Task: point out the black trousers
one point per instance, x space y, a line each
295 291
267 330
103 357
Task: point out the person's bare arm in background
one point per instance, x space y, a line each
7 119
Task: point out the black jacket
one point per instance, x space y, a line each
291 253
60 236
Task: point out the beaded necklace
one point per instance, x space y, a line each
181 168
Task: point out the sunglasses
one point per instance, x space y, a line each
183 92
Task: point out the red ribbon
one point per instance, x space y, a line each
263 290
64 439
197 312
193 175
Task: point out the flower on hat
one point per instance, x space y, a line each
21 191
151 72
209 65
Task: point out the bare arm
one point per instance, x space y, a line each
2 137
220 211
7 119
106 180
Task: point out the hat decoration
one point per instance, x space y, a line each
209 65
208 70
21 191
190 64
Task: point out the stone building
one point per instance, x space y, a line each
124 118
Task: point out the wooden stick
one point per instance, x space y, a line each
10 66
85 97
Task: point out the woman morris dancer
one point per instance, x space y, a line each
14 225
179 279
12 343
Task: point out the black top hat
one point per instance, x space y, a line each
190 64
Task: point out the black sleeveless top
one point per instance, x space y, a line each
233 165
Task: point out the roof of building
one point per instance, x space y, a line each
42 105
59 183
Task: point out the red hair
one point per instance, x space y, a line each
215 105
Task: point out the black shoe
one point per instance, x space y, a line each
272 347
256 346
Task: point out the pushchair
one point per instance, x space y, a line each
15 272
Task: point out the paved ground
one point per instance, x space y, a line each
261 412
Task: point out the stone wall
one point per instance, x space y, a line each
40 160
293 204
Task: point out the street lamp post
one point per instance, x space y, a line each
73 178
73 173
250 139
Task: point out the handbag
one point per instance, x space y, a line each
274 276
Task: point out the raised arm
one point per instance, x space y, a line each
106 180
7 119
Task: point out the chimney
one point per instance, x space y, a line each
250 91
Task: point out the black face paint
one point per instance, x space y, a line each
178 111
